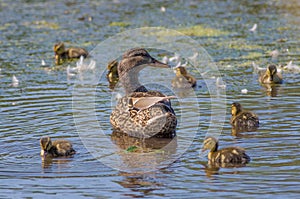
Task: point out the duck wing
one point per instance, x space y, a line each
146 102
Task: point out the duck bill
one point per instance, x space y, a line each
158 64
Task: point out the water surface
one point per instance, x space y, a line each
41 104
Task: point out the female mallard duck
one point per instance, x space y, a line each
243 119
270 76
61 53
112 75
183 79
142 113
229 156
55 148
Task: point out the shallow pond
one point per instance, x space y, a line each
47 101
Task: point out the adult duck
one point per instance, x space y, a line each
62 53
226 157
142 113
270 76
56 148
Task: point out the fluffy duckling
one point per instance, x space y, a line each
183 79
55 148
62 53
243 119
226 157
270 75
112 75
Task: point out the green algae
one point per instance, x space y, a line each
120 24
202 31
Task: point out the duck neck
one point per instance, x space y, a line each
130 82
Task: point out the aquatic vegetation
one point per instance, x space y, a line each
120 23
42 24
132 149
202 31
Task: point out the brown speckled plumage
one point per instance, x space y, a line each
56 148
243 119
62 53
226 157
159 119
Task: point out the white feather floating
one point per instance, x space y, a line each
244 91
256 68
15 81
219 84
292 67
165 60
253 28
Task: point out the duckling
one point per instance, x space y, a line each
112 75
61 53
55 148
270 76
243 119
229 156
183 79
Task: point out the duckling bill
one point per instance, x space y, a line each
56 148
63 54
226 157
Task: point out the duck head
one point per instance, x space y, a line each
46 144
59 48
236 108
271 71
181 71
210 143
133 61
112 66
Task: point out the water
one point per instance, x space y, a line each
41 104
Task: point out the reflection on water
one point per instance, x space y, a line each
242 132
147 153
59 162
124 141
272 89
41 102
